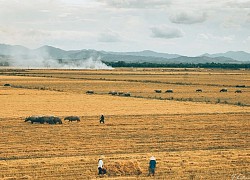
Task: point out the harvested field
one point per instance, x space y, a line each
191 139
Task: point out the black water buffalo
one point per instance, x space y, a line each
90 92
57 120
113 93
238 91
158 91
72 118
198 90
169 91
241 86
127 94
33 119
6 85
44 119
120 93
223 90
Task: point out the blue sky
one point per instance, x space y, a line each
187 27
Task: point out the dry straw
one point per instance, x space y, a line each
122 168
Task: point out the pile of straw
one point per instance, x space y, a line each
122 168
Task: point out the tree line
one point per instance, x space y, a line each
175 65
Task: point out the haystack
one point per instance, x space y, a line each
122 168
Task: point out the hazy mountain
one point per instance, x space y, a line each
47 54
237 55
50 52
9 50
147 53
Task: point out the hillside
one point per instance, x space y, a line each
236 55
48 56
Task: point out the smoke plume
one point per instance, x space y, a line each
55 59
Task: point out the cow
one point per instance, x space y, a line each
158 90
223 90
238 91
169 91
198 90
72 118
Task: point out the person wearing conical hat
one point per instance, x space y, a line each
152 166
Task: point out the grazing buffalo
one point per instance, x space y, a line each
44 119
223 90
51 119
198 90
72 118
127 94
169 91
238 91
241 86
120 93
90 92
56 120
6 85
158 91
35 119
113 93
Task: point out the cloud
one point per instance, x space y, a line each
137 3
240 4
248 18
166 32
211 37
188 17
35 37
109 36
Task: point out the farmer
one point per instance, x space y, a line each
102 119
101 169
152 166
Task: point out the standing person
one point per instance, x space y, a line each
102 119
152 166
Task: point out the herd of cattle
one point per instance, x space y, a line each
50 119
197 90
120 93
157 91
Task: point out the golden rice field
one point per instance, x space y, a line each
193 135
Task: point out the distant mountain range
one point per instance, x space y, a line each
11 52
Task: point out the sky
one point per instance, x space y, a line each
186 27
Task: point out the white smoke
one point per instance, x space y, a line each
89 63
41 59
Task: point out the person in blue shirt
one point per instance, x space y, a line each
152 166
